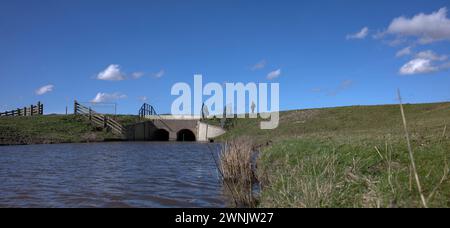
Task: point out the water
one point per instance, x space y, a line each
110 175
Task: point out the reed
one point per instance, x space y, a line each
236 161
236 164
411 154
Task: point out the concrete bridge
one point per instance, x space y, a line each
156 127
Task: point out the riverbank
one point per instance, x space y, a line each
52 129
352 157
332 157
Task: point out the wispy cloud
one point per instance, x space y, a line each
111 73
427 28
429 54
404 52
260 65
137 75
274 74
359 35
159 74
44 89
114 73
108 97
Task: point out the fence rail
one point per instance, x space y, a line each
32 110
99 119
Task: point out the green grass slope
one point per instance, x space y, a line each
53 129
352 156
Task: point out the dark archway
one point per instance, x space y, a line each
185 135
161 135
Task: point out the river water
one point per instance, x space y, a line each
130 174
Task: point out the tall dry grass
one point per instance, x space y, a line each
236 164
411 154
236 161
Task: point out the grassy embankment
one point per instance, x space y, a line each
352 157
54 129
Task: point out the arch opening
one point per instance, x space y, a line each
186 135
161 135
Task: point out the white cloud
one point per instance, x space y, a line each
274 74
424 62
159 74
359 35
107 97
137 75
111 73
426 27
419 29
404 52
260 65
44 89
431 56
418 66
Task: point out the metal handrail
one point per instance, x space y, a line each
147 109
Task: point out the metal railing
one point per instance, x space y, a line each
149 110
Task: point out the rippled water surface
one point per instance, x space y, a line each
110 175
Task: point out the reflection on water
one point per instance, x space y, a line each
110 175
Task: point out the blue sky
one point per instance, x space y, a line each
323 53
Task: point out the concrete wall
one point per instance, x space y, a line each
207 132
174 126
145 131
141 131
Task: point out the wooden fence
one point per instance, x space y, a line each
99 119
33 110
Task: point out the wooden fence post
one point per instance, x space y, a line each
40 108
105 122
75 107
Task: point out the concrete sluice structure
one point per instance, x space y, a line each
172 128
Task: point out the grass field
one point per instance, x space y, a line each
352 157
53 129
